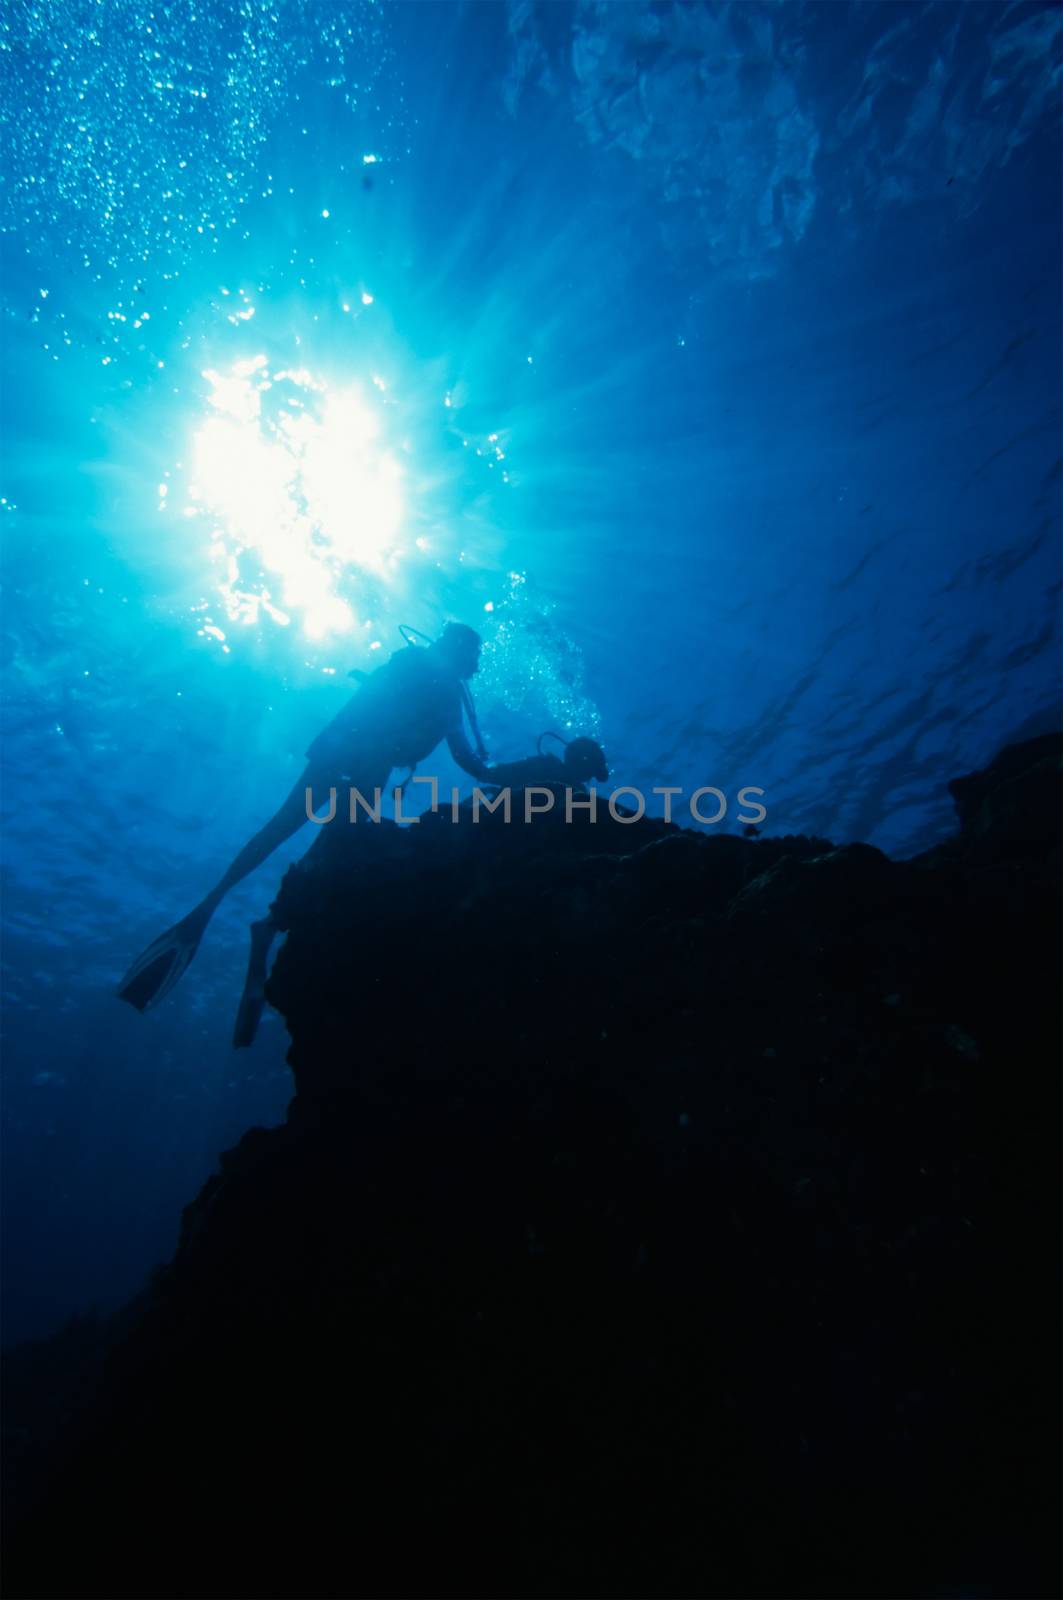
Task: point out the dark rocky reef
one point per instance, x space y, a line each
657 1214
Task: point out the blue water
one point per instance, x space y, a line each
706 358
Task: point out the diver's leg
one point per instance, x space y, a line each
253 998
285 822
158 968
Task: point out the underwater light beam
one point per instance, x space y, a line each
302 493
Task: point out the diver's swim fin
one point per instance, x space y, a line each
253 998
154 972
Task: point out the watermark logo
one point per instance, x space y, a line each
707 805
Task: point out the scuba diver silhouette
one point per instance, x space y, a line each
400 714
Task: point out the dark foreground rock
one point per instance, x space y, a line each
657 1214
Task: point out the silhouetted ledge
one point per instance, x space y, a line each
657 1214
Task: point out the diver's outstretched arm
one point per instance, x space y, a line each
154 973
464 754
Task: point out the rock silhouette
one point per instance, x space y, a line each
657 1213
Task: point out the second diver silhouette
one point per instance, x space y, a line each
583 759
